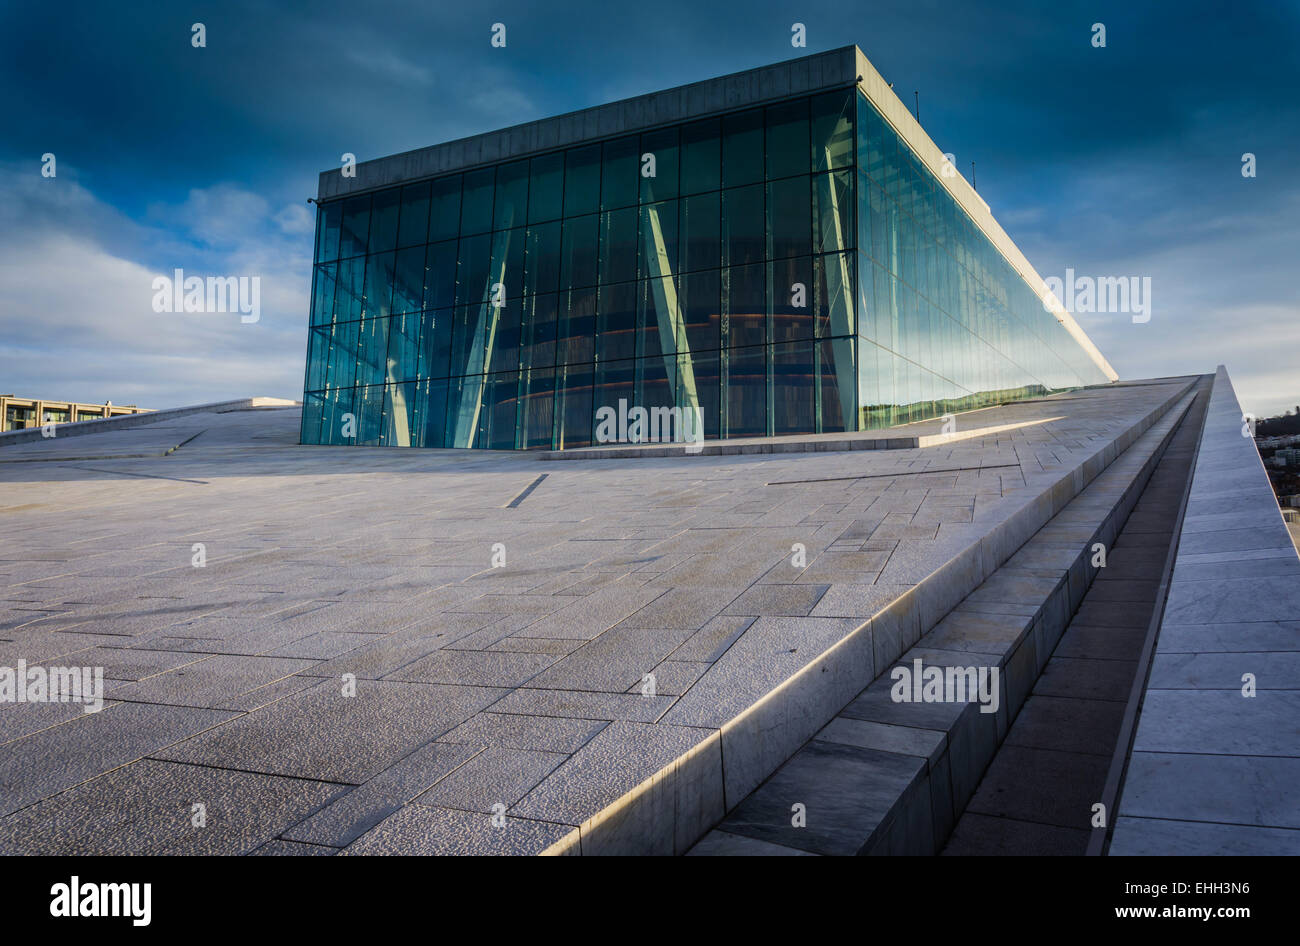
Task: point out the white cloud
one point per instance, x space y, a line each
77 316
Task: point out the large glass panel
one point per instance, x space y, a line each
379 284
404 361
662 146
789 218
619 174
701 312
501 342
742 148
745 379
832 212
414 227
573 406
349 293
408 280
698 393
834 295
700 237
542 258
575 338
440 275
787 139
431 413
864 187
341 371
318 343
546 188
476 201
660 320
578 252
336 415
498 420
743 231
473 269
330 221
435 343
399 402
356 226
701 145
616 322
659 243
506 272
618 245
537 410
322 308
469 339
383 220
744 305
793 397
313 409
537 341
372 351
511 205
464 404
837 381
832 130
656 389
582 180
615 381
444 209
790 295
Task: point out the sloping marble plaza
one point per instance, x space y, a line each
314 649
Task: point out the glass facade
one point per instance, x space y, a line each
946 323
789 268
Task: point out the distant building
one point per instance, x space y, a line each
19 413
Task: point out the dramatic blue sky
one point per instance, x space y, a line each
1117 161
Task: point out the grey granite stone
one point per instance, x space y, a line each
1149 837
215 682
495 776
1196 787
148 807
1220 721
485 668
546 733
612 663
846 792
322 734
54 759
725 844
424 830
348 817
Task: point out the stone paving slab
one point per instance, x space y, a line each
425 830
44 763
1147 837
355 812
148 808
322 734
